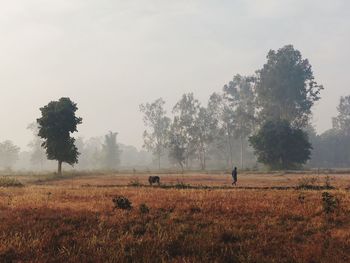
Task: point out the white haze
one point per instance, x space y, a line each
111 55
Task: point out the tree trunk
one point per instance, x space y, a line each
59 168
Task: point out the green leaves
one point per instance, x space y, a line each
57 122
281 146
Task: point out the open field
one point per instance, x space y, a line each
267 218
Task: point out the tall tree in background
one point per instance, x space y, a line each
57 122
177 144
110 151
342 121
205 127
281 146
156 120
9 154
286 89
186 112
224 134
38 155
241 98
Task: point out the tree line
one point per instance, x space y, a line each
261 119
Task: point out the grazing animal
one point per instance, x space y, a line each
154 179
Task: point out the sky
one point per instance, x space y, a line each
109 56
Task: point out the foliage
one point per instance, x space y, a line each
122 202
240 95
286 88
342 121
329 202
143 208
57 122
38 155
155 118
110 151
8 154
280 146
6 181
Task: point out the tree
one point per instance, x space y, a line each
110 151
241 99
178 144
224 133
186 112
57 122
205 127
342 121
38 155
286 89
156 120
280 146
9 154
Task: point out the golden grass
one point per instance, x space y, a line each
62 221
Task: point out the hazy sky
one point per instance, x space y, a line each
111 55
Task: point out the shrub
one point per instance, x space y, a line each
122 202
9 182
307 183
329 202
135 183
144 209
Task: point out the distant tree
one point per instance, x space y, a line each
186 112
286 89
178 144
342 121
57 122
224 133
110 151
241 99
37 155
281 146
156 120
9 154
205 127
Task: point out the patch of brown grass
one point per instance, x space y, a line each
75 224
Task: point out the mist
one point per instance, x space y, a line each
111 56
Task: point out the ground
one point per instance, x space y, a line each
277 217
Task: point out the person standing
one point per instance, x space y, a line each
234 176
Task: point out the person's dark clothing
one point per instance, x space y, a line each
234 176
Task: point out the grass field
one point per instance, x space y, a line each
277 217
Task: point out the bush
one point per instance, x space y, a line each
330 203
135 183
122 202
9 182
144 209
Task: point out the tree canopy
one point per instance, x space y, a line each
57 122
286 88
281 146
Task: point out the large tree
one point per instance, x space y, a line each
178 144
241 98
286 88
57 122
205 127
281 146
186 112
155 119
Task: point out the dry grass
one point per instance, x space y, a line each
61 221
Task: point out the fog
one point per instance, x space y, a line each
111 56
